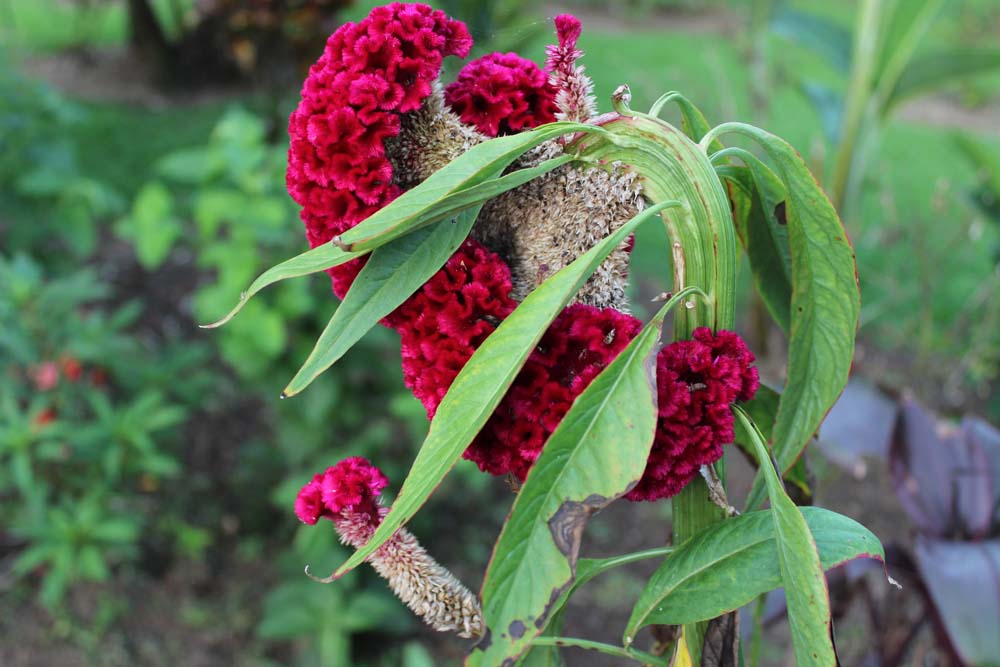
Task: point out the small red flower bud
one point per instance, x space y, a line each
71 368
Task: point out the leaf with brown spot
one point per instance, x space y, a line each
595 455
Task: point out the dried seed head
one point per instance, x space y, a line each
545 224
347 494
541 226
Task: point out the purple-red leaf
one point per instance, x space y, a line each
859 425
964 582
942 477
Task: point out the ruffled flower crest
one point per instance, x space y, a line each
348 495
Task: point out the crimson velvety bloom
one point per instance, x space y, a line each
370 73
697 381
353 485
449 317
501 93
578 345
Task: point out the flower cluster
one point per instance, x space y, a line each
369 74
353 485
365 109
575 99
578 345
449 317
502 93
348 495
697 381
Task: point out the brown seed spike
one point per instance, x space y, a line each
541 226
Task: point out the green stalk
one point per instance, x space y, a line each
608 649
671 166
864 64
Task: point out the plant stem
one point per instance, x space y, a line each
618 651
757 640
864 62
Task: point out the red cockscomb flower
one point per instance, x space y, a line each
352 485
502 93
578 345
348 495
370 72
697 381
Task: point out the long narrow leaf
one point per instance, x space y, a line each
799 563
825 301
762 233
391 275
483 381
595 455
477 170
935 70
734 561
372 236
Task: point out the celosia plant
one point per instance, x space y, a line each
489 222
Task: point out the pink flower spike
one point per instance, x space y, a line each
568 29
574 89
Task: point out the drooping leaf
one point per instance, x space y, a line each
595 455
830 40
693 121
825 302
390 223
799 563
466 181
932 71
964 584
734 561
483 381
763 409
763 232
393 273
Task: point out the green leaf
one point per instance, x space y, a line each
734 561
318 259
935 70
596 454
825 301
693 121
464 182
761 232
830 40
151 227
799 563
483 381
433 202
762 409
391 275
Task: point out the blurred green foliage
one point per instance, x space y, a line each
170 435
87 437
